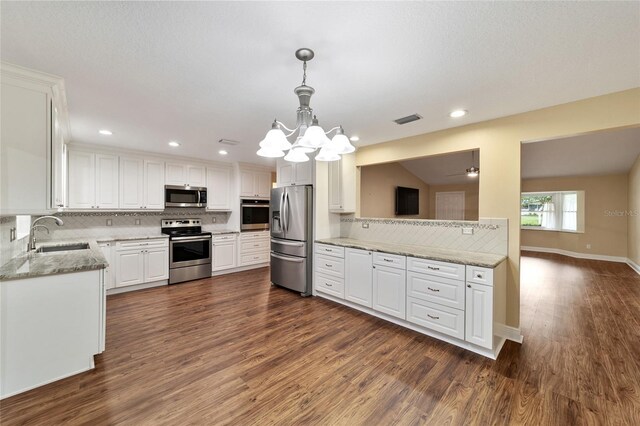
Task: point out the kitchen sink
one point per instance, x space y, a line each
66 247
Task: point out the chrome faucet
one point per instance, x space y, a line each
32 234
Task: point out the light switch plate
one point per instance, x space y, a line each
467 231
137 221
365 225
215 219
109 222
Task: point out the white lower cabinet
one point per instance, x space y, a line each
358 277
389 290
452 300
254 248
108 271
224 252
141 261
479 312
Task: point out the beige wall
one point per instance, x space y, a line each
499 141
633 217
470 198
607 233
378 190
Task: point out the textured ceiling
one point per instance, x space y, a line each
197 72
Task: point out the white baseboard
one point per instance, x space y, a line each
576 254
239 269
509 333
633 265
118 290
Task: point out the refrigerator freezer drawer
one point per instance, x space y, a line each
294 248
289 271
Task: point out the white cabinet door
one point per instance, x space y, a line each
153 184
263 184
389 290
108 272
129 267
106 181
223 256
342 185
358 285
196 176
82 186
58 153
304 173
285 173
479 315
219 188
247 184
25 133
175 174
156 264
131 183
335 186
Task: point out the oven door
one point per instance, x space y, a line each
182 196
189 251
255 217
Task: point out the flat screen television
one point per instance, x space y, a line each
406 201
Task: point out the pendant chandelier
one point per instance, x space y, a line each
310 136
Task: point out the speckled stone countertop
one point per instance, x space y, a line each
130 237
486 260
32 264
224 231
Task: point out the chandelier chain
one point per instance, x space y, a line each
304 73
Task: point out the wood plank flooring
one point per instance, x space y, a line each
234 350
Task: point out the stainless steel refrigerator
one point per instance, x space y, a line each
291 214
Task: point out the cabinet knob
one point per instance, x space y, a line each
469 285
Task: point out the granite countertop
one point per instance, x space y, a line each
32 264
129 237
487 260
224 231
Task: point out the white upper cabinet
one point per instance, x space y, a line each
131 183
27 150
106 181
342 185
153 184
289 173
93 180
255 183
219 184
185 174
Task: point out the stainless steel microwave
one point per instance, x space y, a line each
185 196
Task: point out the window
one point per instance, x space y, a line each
552 211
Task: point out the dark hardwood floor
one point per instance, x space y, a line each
234 350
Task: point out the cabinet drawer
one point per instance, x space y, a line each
331 266
436 317
480 275
141 244
329 250
330 285
252 246
444 291
390 260
434 267
254 236
253 258
217 238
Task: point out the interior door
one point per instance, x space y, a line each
450 205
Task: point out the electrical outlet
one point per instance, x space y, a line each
365 225
589 246
137 221
467 231
215 219
109 222
12 234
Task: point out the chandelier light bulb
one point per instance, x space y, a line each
340 143
296 156
326 154
270 152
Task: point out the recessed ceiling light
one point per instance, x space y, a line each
105 132
354 139
222 152
458 113
174 144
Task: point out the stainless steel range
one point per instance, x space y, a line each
189 250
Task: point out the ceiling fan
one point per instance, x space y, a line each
472 171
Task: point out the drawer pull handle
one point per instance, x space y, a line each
433 289
256 245
328 285
328 265
432 317
433 268
478 275
329 250
387 260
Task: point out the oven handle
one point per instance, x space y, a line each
263 206
199 237
198 198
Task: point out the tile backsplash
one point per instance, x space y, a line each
489 235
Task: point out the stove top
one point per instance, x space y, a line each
183 228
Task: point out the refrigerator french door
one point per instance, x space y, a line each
291 213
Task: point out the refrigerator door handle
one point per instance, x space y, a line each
284 243
286 203
288 259
283 219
